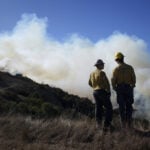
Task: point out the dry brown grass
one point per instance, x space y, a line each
25 133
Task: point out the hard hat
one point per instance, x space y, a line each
119 55
99 62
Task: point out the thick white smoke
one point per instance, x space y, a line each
28 50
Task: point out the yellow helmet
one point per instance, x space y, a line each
119 55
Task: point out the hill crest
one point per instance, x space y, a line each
17 90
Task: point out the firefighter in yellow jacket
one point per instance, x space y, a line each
101 92
123 81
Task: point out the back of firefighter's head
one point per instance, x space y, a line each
99 64
119 57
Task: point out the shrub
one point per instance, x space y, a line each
7 106
50 110
34 101
35 111
22 107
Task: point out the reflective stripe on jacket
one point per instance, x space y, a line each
98 80
123 74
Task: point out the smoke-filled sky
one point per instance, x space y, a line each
58 43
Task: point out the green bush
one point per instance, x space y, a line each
50 110
35 111
35 94
7 106
22 107
34 102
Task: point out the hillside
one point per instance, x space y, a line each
20 94
37 116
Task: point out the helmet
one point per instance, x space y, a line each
119 55
99 62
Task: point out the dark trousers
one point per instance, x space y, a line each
125 100
102 99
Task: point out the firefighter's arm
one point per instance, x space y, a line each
113 79
133 78
107 83
90 83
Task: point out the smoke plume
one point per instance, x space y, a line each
29 50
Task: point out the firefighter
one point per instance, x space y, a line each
101 92
123 82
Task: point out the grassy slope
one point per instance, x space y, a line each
57 133
25 133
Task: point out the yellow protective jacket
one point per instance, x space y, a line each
98 80
123 74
